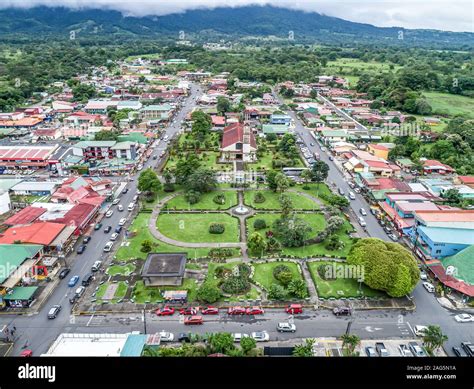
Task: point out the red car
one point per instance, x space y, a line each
294 308
189 311
210 311
26 353
166 311
255 311
236 311
193 320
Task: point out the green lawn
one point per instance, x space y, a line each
315 190
209 160
341 287
122 270
272 200
348 66
140 226
318 223
195 227
205 202
264 273
142 294
449 104
264 162
120 292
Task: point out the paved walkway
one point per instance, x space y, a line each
313 293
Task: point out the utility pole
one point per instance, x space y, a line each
144 321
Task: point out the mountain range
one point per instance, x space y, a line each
218 23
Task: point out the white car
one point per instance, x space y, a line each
429 287
122 221
419 330
114 236
166 336
139 167
238 336
109 213
405 351
464 318
286 327
116 201
423 276
260 336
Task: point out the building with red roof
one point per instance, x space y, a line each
238 143
466 180
434 166
25 216
43 233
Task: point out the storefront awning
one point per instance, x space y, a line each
18 274
21 293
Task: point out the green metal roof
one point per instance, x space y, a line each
464 264
13 255
275 128
95 143
133 137
21 293
133 346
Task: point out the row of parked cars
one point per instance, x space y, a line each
193 311
412 349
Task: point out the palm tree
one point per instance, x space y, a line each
433 338
304 350
349 344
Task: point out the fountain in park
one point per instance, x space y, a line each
241 210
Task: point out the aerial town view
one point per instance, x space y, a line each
267 180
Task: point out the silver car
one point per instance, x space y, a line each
286 327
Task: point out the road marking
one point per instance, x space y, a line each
411 329
87 325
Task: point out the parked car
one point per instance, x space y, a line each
393 237
458 352
370 351
114 236
86 239
341 191
429 287
416 349
405 350
122 221
192 320
260 336
236 311
464 318
54 311
238 336
107 229
109 213
342 311
190 311
331 158
96 266
373 211
362 212
210 311
165 311
73 281
184 337
81 248
468 347
125 190
64 272
381 350
362 221
118 229
87 279
97 226
116 201
388 230
419 330
294 309
254 311
166 336
79 291
423 276
286 327
108 246
120 207
155 157
26 353
352 196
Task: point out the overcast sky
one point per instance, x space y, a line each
453 15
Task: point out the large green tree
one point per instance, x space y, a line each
149 182
386 266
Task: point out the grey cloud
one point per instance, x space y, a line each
454 15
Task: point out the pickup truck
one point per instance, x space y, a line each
381 350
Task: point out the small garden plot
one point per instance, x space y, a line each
264 273
196 227
339 280
123 270
267 199
214 200
111 292
151 294
232 279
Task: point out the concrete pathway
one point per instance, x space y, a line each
313 293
